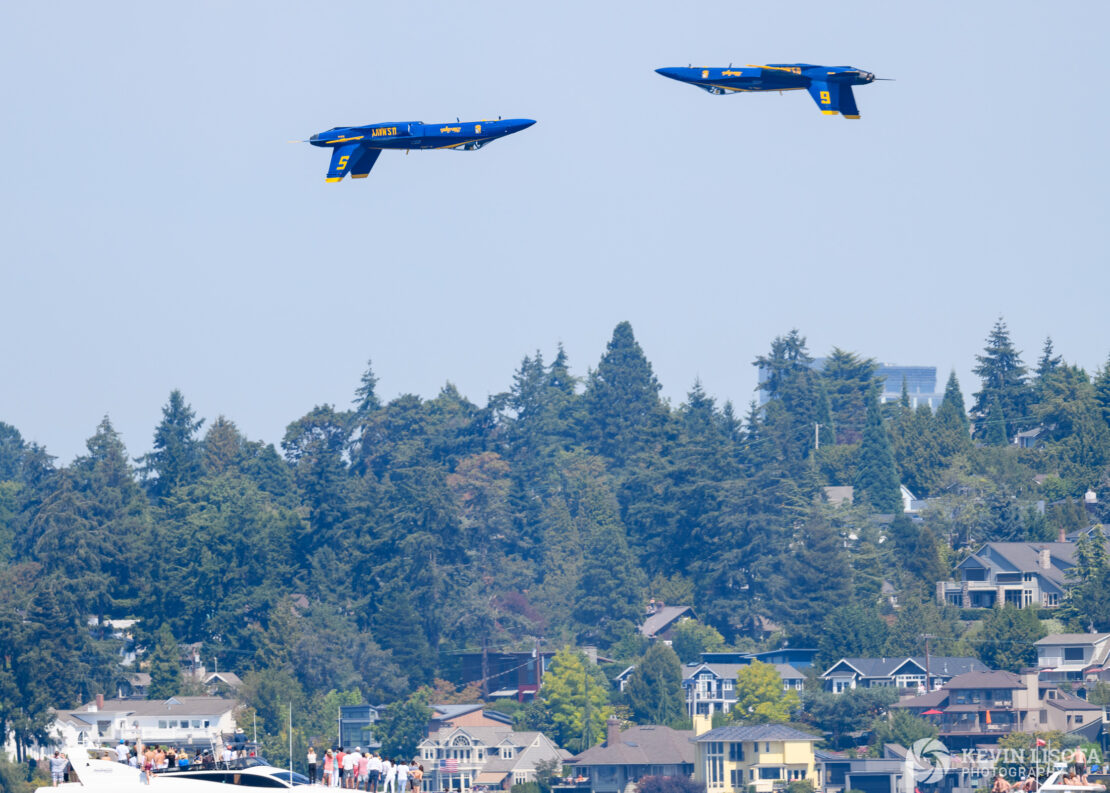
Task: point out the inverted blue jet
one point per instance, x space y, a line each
356 149
830 86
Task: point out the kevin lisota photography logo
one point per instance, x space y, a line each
931 760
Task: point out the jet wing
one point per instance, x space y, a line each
834 98
341 157
363 161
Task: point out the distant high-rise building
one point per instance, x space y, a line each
921 383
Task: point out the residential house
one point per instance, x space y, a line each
626 757
195 722
797 657
661 620
356 726
897 770
1016 573
763 757
460 758
518 675
1074 658
711 688
980 707
901 672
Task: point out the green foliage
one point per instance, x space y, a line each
395 533
851 711
165 667
1001 406
900 727
876 477
1007 637
654 690
576 696
690 638
404 725
760 698
851 630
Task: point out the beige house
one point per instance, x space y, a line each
461 758
765 757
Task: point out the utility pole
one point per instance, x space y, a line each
928 674
816 435
485 667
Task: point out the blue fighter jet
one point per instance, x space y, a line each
830 86
356 149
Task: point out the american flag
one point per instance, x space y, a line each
451 765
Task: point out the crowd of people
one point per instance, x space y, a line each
155 759
364 770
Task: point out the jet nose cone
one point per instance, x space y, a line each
517 124
669 71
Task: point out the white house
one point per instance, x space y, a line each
193 722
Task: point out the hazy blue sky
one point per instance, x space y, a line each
158 232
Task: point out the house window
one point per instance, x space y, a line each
728 685
736 777
736 753
767 748
162 724
715 764
1078 719
770 773
1051 599
1073 653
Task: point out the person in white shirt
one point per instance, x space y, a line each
374 775
311 766
349 769
402 777
122 751
389 777
227 756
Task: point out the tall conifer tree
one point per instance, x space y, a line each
1004 390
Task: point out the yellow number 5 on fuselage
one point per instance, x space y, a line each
339 166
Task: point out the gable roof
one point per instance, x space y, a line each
662 619
643 745
939 665
1008 557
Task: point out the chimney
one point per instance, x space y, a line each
1044 559
100 702
612 732
659 606
1061 537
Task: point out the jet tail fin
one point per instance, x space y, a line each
834 98
341 157
363 161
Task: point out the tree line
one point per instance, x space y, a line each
346 560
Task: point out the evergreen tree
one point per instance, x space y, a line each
175 459
820 561
1007 637
622 401
917 552
849 380
851 630
1102 391
366 396
165 667
917 616
876 479
399 629
798 403
1003 402
953 428
611 590
404 726
654 689
223 447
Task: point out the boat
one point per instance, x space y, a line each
1053 784
95 774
